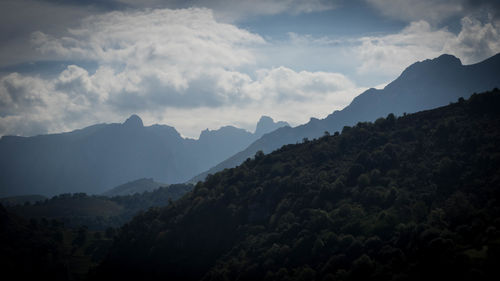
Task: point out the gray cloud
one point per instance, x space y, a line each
19 18
234 10
436 11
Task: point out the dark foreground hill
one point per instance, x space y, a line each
423 85
409 198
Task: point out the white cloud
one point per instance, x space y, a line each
283 83
390 54
174 46
476 41
166 57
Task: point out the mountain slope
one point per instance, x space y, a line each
409 198
423 85
102 156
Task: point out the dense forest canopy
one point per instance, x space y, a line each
403 198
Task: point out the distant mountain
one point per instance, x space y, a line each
102 156
132 187
423 85
266 124
409 198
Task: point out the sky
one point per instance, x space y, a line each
197 64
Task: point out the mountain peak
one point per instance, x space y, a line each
431 67
447 59
133 121
266 124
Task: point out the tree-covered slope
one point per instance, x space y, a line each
409 198
29 251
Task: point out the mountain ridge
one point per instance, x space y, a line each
99 157
423 85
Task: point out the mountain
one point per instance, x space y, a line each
423 85
408 198
132 187
102 156
266 124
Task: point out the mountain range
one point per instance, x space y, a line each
102 156
423 85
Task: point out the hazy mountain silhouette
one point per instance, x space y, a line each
423 85
99 157
266 124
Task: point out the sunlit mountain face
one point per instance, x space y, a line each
203 64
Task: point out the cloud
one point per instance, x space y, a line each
428 10
436 11
476 41
31 105
285 84
155 63
19 18
390 54
159 57
236 10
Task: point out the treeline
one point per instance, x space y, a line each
46 250
63 237
98 212
404 198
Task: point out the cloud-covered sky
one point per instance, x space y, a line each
207 63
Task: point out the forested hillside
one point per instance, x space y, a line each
47 250
408 198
